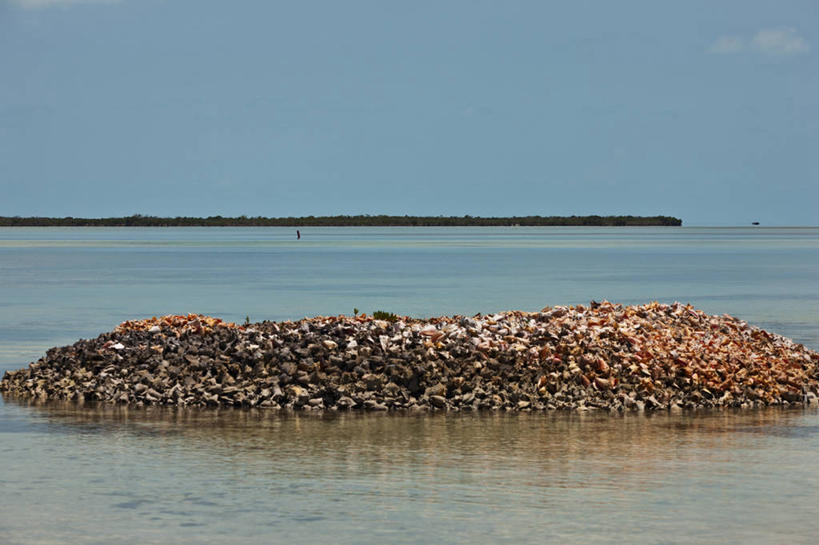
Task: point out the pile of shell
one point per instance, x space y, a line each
605 356
195 323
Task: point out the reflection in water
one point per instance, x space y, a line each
407 478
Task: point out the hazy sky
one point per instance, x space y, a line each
708 111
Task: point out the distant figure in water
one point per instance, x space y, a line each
298 234
754 223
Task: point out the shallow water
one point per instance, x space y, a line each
72 474
84 475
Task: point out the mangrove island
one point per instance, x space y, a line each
139 220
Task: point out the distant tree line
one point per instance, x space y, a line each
139 220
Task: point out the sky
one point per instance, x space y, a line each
703 110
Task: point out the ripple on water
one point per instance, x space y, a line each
231 476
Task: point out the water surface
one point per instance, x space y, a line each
88 475
71 474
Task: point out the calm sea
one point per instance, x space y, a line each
113 475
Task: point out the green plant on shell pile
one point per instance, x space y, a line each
383 315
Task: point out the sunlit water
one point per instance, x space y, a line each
72 474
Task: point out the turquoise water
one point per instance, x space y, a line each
82 475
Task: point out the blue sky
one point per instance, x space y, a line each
708 111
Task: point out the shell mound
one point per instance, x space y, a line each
605 356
